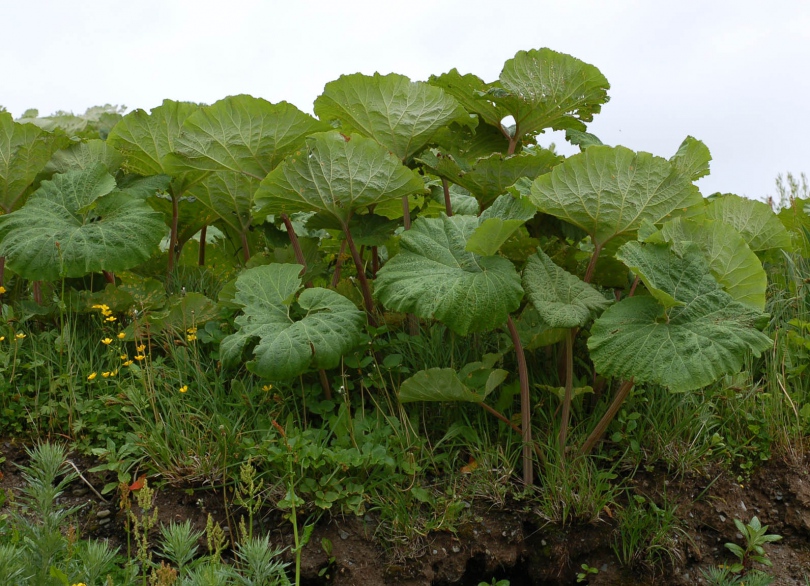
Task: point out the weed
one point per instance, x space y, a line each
756 536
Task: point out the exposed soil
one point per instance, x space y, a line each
508 543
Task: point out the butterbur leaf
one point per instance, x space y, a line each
732 262
471 384
287 344
228 195
336 175
78 223
534 332
706 334
561 299
546 89
24 151
434 277
692 158
755 220
400 114
85 155
608 191
243 134
468 90
487 178
498 222
582 139
146 139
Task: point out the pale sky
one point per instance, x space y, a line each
735 74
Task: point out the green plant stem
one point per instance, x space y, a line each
525 404
448 208
338 265
602 426
245 246
569 382
361 274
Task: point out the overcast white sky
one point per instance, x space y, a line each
735 73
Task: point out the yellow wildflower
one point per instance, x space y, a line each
128 362
184 388
192 330
140 357
106 341
267 387
111 318
80 584
91 376
105 374
141 348
121 335
114 372
191 337
124 356
2 289
20 336
2 338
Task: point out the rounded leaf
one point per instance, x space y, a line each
285 345
434 277
76 224
337 175
704 336
608 191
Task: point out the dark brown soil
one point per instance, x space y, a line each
508 543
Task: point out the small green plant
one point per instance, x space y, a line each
756 536
495 582
723 576
179 544
648 535
586 572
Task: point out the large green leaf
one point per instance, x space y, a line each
469 91
290 336
78 223
433 276
755 220
85 155
561 299
732 262
692 158
704 335
24 151
471 384
498 222
229 195
545 89
608 191
146 139
243 134
488 177
337 175
400 114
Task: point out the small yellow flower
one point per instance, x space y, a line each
107 341
114 372
80 584
2 289
140 357
192 330
2 338
105 374
267 387
20 336
124 356
111 318
191 338
128 362
141 348
91 376
184 388
121 335
99 306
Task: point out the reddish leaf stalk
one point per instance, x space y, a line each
525 404
201 256
368 301
448 207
